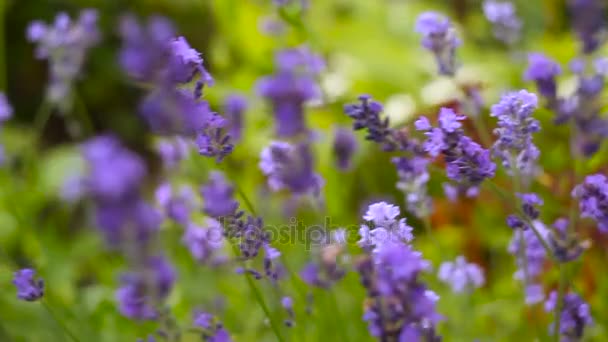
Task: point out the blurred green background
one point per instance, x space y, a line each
370 47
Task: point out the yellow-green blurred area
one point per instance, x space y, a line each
370 46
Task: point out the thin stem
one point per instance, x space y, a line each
85 118
59 322
41 118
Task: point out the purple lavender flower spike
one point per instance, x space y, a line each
505 23
593 199
566 247
141 291
289 88
543 71
413 178
468 163
439 37
461 275
173 151
176 205
398 303
205 243
213 330
383 227
65 44
234 107
589 22
344 146
531 265
28 288
218 196
290 167
115 172
574 317
367 116
516 125
529 203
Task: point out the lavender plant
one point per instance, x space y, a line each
175 229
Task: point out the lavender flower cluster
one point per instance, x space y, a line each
220 228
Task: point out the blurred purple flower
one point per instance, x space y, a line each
574 317
505 23
398 303
204 242
65 44
543 71
589 22
28 288
344 146
218 196
141 291
461 275
290 167
439 37
290 87
593 199
234 107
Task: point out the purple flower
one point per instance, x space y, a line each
422 124
574 317
142 290
505 23
386 229
28 288
204 242
344 146
589 22
529 203
6 110
327 271
177 206
398 302
213 331
467 162
439 37
461 275
169 111
173 151
218 196
290 167
565 246
115 172
543 71
234 107
449 121
514 146
290 88
413 178
593 199
530 257
153 53
367 116
65 45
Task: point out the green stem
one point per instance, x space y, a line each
41 118
59 322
